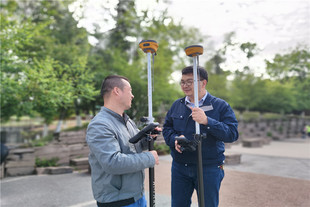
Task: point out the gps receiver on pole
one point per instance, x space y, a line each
150 48
194 51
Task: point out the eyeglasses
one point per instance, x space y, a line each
187 82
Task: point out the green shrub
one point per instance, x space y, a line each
46 162
162 149
280 129
269 134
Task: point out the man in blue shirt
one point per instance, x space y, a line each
217 121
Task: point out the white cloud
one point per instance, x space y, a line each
275 25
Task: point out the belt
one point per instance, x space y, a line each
119 203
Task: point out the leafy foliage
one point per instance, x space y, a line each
49 68
293 70
47 162
46 71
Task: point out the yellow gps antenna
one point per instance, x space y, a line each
194 51
150 48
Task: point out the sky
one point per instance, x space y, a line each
277 26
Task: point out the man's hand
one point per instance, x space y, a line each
155 155
177 146
158 129
199 115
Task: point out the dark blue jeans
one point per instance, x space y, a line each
184 180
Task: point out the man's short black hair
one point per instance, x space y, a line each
110 82
202 73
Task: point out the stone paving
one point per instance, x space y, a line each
273 175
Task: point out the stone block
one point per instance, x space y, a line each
227 145
277 136
42 170
232 158
266 140
60 170
2 171
51 151
78 150
54 170
18 171
20 162
80 163
252 142
73 137
80 167
22 151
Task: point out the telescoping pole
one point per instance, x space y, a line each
150 47
149 88
194 51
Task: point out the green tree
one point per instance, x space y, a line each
70 49
293 69
46 91
218 83
117 52
250 49
278 98
248 91
172 38
50 45
14 37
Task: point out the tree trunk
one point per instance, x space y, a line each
77 113
62 116
78 120
45 130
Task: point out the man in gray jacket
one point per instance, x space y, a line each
117 166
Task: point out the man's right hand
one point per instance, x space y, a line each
155 155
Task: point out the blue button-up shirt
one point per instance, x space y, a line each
190 104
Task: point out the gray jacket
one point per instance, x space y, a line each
117 166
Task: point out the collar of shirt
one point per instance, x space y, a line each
190 104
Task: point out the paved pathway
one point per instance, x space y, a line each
274 175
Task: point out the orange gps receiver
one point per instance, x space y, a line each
194 50
148 46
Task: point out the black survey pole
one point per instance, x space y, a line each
150 48
194 51
151 177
